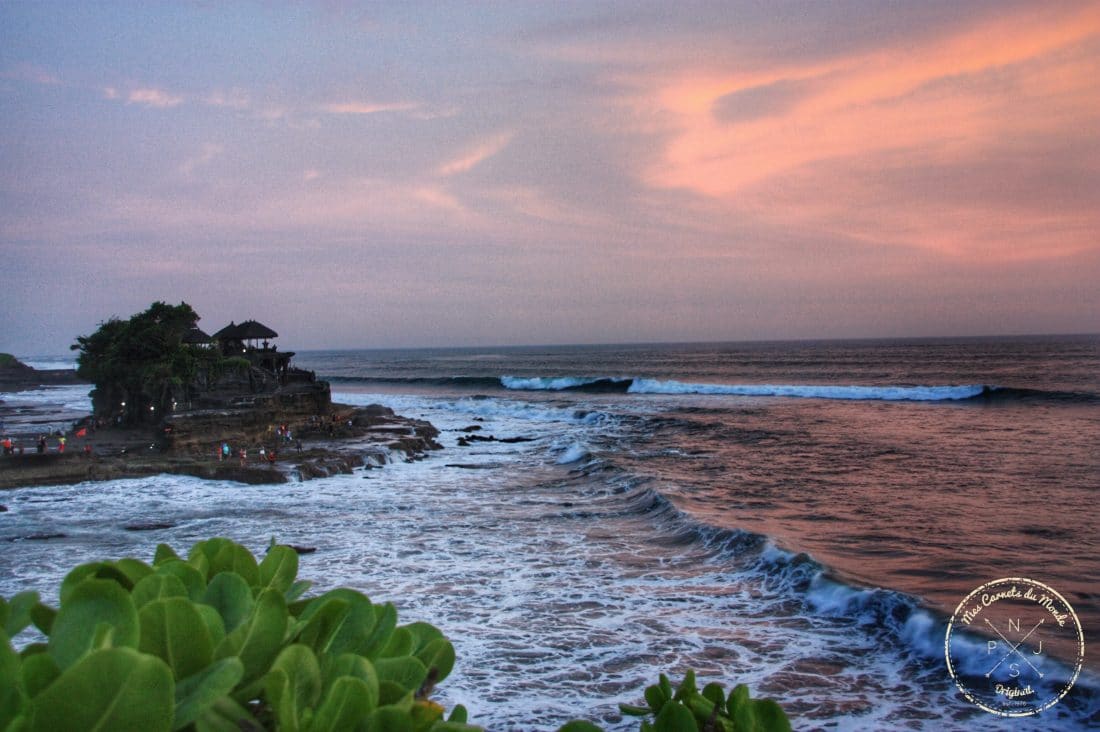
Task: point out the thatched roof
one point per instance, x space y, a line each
195 335
229 332
246 331
250 329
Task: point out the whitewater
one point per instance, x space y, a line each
811 545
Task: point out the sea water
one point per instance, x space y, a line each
800 517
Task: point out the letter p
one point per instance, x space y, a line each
990 646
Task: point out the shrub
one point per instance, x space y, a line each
217 641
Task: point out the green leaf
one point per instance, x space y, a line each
43 616
656 698
770 717
226 715
297 590
346 703
738 700
400 644
257 641
223 555
391 693
163 554
198 692
356 632
134 569
323 625
157 586
408 672
293 685
458 715
675 718
92 603
354 666
76 575
33 649
231 595
390 719
633 711
192 579
173 630
714 692
18 614
11 697
109 689
687 688
579 725
440 655
215 626
39 671
278 569
423 634
385 620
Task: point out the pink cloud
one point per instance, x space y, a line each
358 107
153 97
806 143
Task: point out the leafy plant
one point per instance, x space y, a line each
213 642
687 709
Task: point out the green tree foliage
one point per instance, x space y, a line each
140 366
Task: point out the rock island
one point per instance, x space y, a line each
168 398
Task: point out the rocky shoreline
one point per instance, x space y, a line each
339 440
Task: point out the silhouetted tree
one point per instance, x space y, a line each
141 366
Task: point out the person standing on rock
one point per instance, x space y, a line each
61 443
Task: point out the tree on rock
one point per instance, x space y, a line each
141 366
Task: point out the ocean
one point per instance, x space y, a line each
801 517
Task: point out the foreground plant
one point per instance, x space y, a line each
217 641
687 709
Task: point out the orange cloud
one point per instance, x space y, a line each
476 155
795 141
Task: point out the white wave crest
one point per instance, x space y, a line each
886 393
574 453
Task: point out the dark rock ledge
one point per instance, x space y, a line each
340 441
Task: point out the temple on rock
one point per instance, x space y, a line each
268 373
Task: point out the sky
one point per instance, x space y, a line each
406 174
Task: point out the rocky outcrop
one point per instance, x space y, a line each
339 441
17 376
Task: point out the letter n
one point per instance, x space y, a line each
1014 626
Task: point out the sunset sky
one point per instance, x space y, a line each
431 174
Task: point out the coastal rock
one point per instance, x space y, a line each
18 376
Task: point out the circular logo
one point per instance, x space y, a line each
1005 662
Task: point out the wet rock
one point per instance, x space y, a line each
3 509
471 428
303 549
148 527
